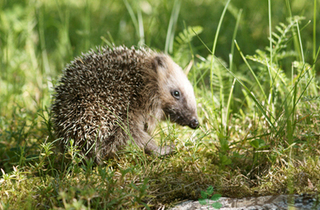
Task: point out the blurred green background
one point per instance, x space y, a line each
70 27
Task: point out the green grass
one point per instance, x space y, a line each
254 67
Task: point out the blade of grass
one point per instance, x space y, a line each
314 53
106 41
314 30
46 66
300 42
269 65
137 22
65 48
87 24
172 24
295 103
192 57
270 31
218 73
252 72
132 15
295 40
233 38
141 29
253 97
231 66
228 106
310 71
219 26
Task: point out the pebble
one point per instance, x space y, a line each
272 202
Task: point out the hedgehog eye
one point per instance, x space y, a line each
176 94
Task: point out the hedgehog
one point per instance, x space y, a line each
113 95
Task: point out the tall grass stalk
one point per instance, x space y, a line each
219 27
65 48
264 96
228 111
253 97
270 31
269 65
171 27
87 25
45 60
295 39
231 55
315 54
215 44
314 31
137 22
141 29
300 43
218 73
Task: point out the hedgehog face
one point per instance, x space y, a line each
176 93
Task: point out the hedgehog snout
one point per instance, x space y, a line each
194 123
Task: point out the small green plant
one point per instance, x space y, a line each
205 195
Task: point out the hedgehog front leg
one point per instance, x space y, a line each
143 139
152 148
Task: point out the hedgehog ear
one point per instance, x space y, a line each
159 61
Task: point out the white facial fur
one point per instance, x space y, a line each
172 78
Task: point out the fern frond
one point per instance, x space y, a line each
182 44
276 72
219 67
283 35
187 34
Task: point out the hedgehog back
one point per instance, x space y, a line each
96 93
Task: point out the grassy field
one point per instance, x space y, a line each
255 71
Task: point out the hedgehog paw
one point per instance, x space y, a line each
166 150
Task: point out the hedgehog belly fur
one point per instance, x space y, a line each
105 95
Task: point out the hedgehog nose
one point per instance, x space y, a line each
194 123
